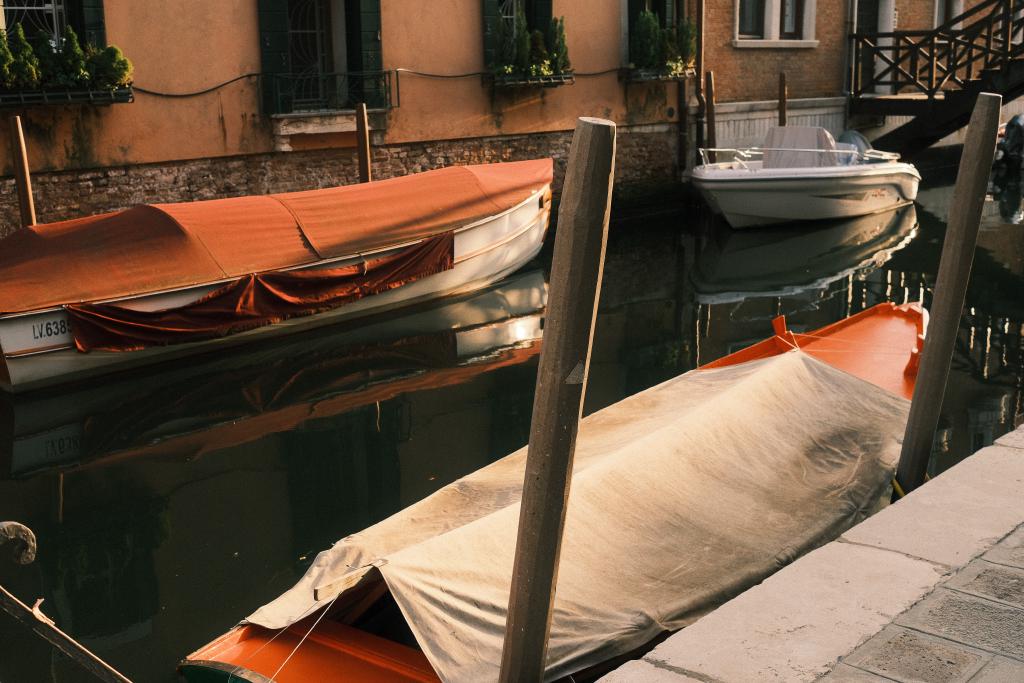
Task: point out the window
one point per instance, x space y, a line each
792 19
51 16
321 55
775 23
751 19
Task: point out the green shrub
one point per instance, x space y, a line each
6 60
522 42
47 54
109 68
686 41
504 47
558 51
645 42
25 66
71 65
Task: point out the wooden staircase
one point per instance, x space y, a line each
936 75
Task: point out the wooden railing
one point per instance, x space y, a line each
987 36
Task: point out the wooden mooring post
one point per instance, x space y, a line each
558 402
709 97
22 177
783 97
363 143
950 291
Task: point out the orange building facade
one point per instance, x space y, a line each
253 96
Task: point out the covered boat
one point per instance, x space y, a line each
91 295
682 496
802 174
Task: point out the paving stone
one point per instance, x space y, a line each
797 623
639 671
1009 551
844 673
956 516
913 657
1001 670
1014 439
1005 584
974 621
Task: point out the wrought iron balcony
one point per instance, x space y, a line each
326 92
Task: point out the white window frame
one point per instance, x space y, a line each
772 20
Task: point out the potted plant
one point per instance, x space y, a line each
527 57
59 70
658 53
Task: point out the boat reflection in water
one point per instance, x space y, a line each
278 388
743 279
737 265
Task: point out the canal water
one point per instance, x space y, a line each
170 504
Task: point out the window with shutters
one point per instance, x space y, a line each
774 23
322 55
62 74
661 44
524 44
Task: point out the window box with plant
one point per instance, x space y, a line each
660 53
525 56
60 71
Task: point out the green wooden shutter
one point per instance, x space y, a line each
91 26
273 23
371 58
490 13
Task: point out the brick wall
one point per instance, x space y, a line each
751 74
645 164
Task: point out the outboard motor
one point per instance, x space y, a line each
852 139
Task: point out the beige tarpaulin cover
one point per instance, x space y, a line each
799 138
682 496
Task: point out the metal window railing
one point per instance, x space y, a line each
326 92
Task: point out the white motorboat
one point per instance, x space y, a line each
802 174
104 293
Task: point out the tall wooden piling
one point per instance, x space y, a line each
709 96
783 97
558 402
363 143
22 177
950 290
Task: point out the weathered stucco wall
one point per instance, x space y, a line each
176 47
446 37
192 45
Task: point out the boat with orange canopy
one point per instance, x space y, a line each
91 295
683 496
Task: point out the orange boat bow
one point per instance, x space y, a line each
881 345
332 653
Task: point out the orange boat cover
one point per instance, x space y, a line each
164 246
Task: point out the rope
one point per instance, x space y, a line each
303 639
231 675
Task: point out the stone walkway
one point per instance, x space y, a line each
930 589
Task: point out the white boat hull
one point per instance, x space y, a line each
749 197
37 347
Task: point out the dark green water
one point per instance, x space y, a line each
168 505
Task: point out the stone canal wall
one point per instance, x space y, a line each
645 164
